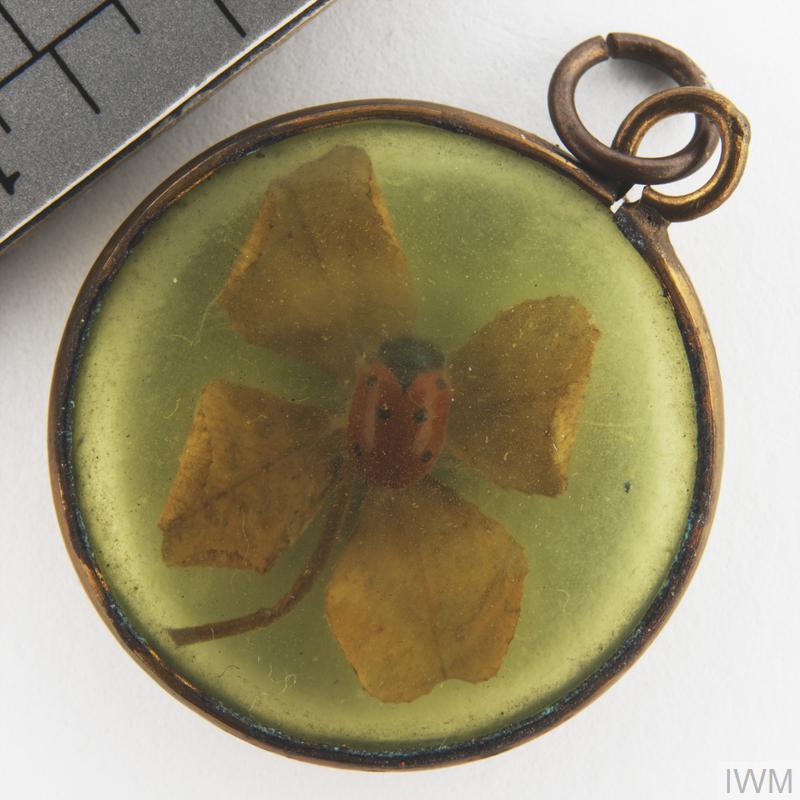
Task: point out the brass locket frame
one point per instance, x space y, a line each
646 230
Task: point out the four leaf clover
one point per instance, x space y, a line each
426 586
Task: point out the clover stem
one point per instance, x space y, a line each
299 589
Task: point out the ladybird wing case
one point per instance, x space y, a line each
396 433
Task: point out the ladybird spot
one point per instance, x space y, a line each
372 379
420 415
427 456
441 384
384 412
357 449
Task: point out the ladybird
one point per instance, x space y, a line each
398 414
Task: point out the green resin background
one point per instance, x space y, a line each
482 228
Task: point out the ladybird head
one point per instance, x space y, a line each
407 357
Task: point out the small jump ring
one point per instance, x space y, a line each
732 125
624 167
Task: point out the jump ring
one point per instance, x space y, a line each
627 168
732 125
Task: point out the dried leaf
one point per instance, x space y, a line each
321 277
427 588
518 387
253 474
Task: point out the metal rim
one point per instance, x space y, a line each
644 229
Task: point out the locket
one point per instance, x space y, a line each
388 435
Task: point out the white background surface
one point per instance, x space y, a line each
79 719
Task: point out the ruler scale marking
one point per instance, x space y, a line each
74 81
51 46
226 12
16 28
134 64
126 16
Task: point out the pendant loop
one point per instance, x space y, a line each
732 125
622 166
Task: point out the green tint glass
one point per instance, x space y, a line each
481 230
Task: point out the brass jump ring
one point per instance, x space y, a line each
732 125
604 160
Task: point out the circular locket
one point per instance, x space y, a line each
378 438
